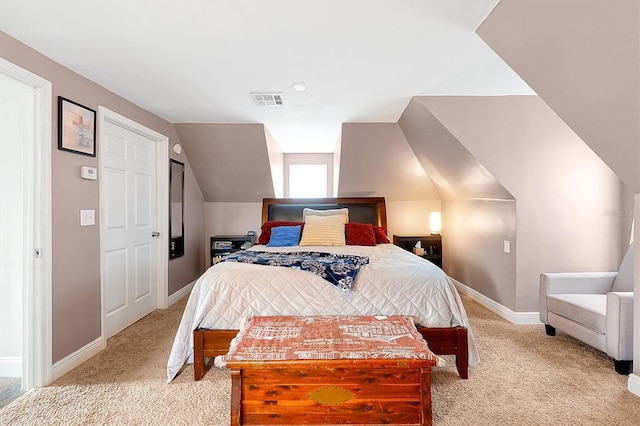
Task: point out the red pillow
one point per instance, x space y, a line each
381 235
359 234
265 231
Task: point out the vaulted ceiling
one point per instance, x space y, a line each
195 64
197 61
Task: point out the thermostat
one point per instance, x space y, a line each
88 173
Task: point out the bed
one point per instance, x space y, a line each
394 282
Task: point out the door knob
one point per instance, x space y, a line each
155 234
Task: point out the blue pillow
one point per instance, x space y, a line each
284 236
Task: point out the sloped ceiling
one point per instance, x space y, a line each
583 58
377 161
524 144
455 172
197 61
230 161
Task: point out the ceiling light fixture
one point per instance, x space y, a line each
299 86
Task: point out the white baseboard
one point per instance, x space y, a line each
520 318
634 384
180 293
10 366
73 360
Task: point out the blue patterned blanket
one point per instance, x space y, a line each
339 269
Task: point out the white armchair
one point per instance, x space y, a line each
594 307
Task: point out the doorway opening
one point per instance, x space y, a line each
25 231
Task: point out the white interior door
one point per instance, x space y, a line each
128 224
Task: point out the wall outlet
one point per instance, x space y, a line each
507 246
87 217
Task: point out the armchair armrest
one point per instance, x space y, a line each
619 330
572 282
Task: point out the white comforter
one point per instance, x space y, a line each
395 282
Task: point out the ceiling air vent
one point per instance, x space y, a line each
268 99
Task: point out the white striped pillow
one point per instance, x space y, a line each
323 231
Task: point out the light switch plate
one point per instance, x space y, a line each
87 217
507 246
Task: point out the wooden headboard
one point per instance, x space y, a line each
361 209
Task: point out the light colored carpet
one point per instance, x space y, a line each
525 378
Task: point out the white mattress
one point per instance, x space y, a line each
395 282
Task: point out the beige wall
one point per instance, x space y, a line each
583 58
566 197
232 218
230 161
478 213
76 251
456 173
410 217
473 236
377 161
407 213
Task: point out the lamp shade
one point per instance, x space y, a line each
434 222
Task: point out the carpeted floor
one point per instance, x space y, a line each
525 378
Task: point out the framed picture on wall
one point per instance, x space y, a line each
76 128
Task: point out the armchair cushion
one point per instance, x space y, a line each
590 310
572 283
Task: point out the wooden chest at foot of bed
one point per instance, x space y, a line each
330 370
326 392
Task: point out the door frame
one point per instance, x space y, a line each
37 300
162 203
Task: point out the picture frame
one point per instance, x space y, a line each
76 127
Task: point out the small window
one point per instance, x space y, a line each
307 180
308 175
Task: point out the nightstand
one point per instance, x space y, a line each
432 245
223 244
